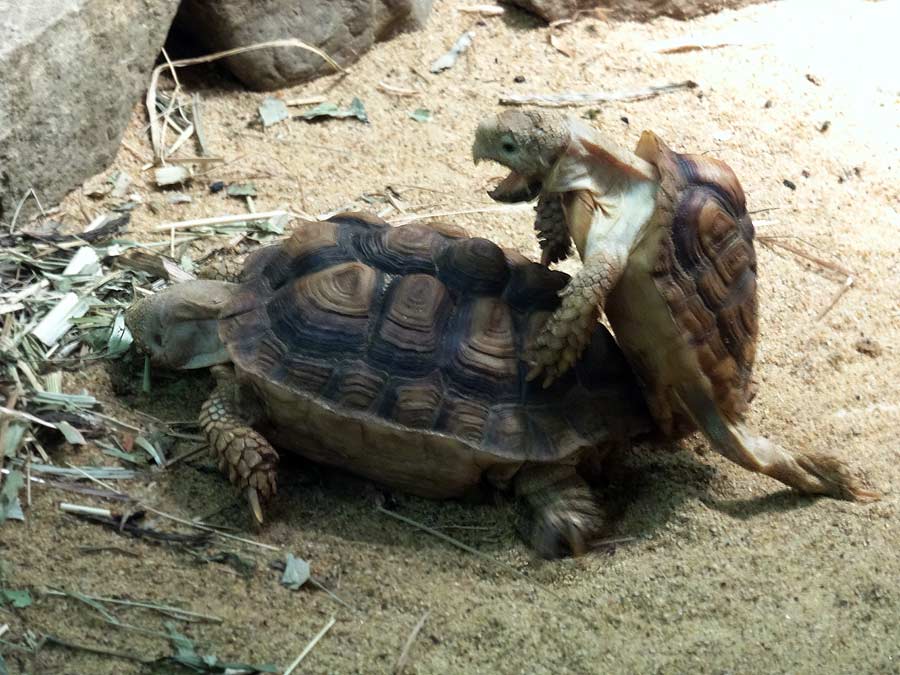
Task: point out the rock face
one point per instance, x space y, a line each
70 74
343 29
635 10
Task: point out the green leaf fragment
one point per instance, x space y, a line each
356 109
241 190
120 338
70 433
296 572
421 115
18 599
272 111
150 449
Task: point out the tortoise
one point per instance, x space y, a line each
667 252
395 353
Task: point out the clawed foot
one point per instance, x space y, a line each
829 475
563 528
564 337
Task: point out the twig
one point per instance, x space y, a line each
848 282
396 91
3 629
483 10
404 654
220 220
576 99
144 604
155 131
821 262
96 649
176 519
443 214
465 547
198 124
306 100
312 643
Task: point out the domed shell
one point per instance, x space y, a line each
706 268
401 345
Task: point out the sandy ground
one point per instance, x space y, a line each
726 572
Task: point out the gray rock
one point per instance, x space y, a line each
343 29
70 74
635 10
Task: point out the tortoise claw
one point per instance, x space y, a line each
255 507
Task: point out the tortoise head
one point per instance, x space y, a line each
528 142
178 327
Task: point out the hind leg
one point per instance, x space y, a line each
806 472
559 515
246 457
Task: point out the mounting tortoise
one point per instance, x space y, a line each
395 353
667 250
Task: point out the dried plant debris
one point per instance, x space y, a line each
448 60
272 111
186 654
356 110
421 115
296 572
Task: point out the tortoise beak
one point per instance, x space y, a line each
516 188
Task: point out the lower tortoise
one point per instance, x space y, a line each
395 353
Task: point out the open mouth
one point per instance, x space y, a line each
516 188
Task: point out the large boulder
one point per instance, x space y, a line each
343 29
635 10
70 74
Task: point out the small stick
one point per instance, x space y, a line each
465 547
484 10
837 296
220 220
96 649
396 91
176 519
84 510
198 124
312 643
166 609
576 99
404 654
308 100
821 262
3 629
443 214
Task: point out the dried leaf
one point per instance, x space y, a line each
9 492
356 109
186 655
150 449
120 337
241 190
71 434
449 59
421 115
172 175
296 572
272 111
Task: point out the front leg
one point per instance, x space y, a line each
568 331
552 229
243 454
